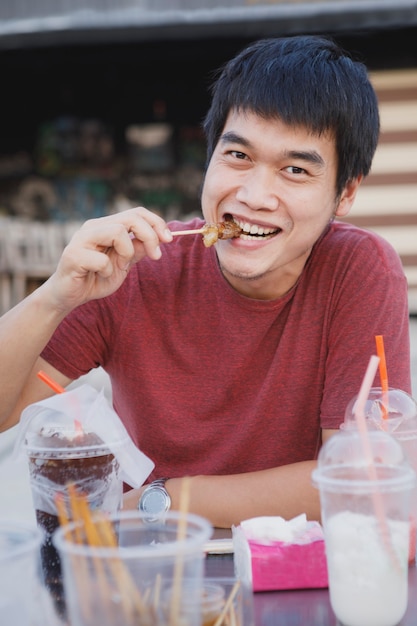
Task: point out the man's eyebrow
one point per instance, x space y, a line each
311 156
232 137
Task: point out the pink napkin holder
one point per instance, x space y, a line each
278 565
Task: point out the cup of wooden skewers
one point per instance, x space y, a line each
122 569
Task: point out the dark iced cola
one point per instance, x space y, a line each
58 458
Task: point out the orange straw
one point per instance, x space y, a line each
58 389
383 374
51 382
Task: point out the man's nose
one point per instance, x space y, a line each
259 190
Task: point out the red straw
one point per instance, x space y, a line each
379 339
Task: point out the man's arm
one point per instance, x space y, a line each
93 265
24 331
227 500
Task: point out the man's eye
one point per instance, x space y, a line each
237 154
292 169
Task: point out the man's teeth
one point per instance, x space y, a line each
253 229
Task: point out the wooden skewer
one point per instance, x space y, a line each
212 232
127 587
184 505
233 618
61 510
228 604
101 534
81 565
76 511
196 231
81 509
157 592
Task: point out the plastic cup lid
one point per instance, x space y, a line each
394 412
345 461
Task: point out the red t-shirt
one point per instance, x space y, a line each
208 381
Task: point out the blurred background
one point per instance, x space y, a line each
101 109
102 104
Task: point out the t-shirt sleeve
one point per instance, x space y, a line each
369 299
74 348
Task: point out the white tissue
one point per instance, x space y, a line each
269 529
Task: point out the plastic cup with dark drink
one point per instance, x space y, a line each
75 441
59 458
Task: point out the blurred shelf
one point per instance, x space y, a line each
46 22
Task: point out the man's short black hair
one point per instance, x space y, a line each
306 81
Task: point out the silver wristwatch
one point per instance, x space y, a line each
155 500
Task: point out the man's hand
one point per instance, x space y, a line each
96 261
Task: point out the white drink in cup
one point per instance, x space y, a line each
365 517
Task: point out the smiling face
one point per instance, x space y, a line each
279 184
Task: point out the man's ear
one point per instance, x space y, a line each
348 196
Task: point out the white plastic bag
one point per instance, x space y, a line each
86 410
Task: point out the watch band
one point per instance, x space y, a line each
159 482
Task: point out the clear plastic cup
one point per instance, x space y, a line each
394 412
228 597
152 576
365 508
19 556
60 455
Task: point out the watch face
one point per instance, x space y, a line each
154 501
